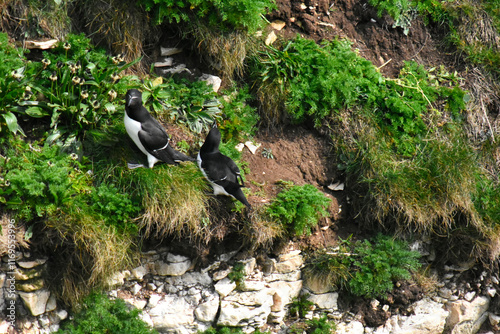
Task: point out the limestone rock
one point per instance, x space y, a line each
224 287
207 310
31 264
353 327
285 292
467 317
172 269
51 304
139 272
212 80
190 279
289 262
325 301
26 274
36 301
31 285
172 313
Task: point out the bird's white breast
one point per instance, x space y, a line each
133 128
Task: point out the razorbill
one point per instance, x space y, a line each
222 173
147 133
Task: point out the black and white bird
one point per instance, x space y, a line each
222 173
147 133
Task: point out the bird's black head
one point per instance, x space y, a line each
212 141
133 98
134 107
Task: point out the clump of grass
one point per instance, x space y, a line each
121 27
87 253
173 199
261 230
36 18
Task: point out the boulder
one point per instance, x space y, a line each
467 317
172 269
242 308
429 318
224 287
325 301
172 313
207 310
35 302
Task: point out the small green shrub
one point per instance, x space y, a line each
320 326
300 306
378 264
364 268
300 208
114 207
238 14
238 274
99 314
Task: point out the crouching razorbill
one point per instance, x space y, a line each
147 133
222 173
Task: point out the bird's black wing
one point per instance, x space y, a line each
155 140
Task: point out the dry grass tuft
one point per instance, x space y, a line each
34 19
484 104
20 231
174 200
119 26
261 231
87 254
224 51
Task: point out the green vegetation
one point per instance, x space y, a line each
239 14
299 208
13 85
364 268
238 274
404 144
300 306
193 104
229 330
338 78
78 87
101 315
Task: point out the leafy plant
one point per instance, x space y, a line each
336 78
102 315
14 85
114 207
40 181
320 326
300 306
80 86
300 208
239 14
238 274
377 265
193 104
364 268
